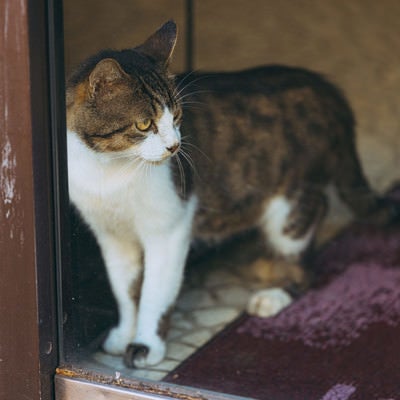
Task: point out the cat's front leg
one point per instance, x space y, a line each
123 261
165 257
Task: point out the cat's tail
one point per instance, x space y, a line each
355 191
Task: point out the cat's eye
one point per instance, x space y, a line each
143 125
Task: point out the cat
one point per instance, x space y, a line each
261 145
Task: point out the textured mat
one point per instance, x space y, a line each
339 341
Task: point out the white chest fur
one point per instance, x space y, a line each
114 192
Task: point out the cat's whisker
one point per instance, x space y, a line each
186 102
194 108
118 157
189 160
180 87
132 163
139 166
179 99
194 147
149 169
194 105
144 171
182 175
190 83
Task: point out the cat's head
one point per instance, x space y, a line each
125 101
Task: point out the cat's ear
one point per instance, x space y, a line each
161 44
105 73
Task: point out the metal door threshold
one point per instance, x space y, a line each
72 388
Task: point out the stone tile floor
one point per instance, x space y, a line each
200 313
215 292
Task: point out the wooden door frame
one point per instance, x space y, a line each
28 328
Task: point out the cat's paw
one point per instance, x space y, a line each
139 355
117 341
268 302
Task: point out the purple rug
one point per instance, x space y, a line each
340 341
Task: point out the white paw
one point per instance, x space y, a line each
268 302
117 341
142 355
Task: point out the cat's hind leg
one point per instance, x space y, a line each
289 223
124 268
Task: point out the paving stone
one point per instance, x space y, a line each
149 374
116 362
179 351
178 321
195 299
197 338
215 316
166 365
234 296
174 333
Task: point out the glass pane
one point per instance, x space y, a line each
270 181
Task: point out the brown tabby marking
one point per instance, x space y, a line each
269 131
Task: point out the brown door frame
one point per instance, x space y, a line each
28 198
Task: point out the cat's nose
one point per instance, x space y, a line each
174 148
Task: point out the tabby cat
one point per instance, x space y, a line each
261 146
